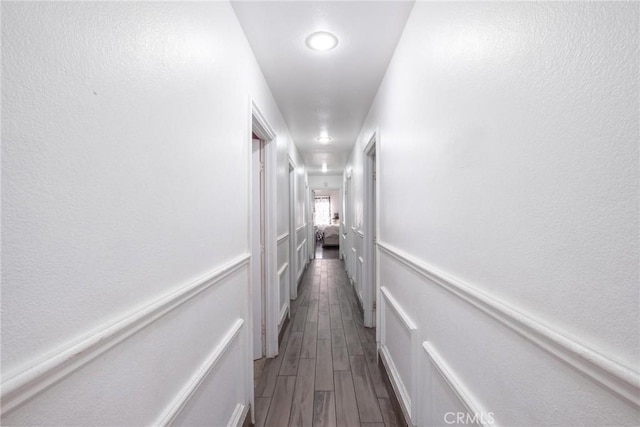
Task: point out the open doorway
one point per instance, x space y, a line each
326 222
262 238
370 233
293 253
258 272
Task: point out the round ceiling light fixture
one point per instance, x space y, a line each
324 139
321 41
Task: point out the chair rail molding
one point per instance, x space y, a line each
21 386
617 378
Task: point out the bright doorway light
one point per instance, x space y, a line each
321 41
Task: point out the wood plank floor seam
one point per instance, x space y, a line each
326 373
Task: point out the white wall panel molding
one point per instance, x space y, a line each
283 283
301 246
21 386
359 280
621 380
392 315
282 238
302 259
283 313
352 264
238 416
283 269
302 227
359 233
456 386
202 373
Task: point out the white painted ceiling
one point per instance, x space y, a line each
323 91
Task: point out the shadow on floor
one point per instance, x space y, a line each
328 252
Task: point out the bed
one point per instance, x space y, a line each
331 235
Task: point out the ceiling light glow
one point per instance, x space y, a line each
324 167
324 139
321 41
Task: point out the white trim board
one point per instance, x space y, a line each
282 238
283 313
238 416
22 386
407 396
285 307
452 380
176 407
619 379
283 269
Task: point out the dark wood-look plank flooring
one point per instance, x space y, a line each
327 372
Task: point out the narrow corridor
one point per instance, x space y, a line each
327 372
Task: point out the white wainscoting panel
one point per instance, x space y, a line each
399 352
444 397
301 253
359 280
187 394
282 238
238 416
617 378
20 387
352 264
283 281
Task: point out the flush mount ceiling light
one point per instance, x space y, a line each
324 167
321 41
324 139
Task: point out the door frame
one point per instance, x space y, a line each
293 234
370 223
262 129
311 195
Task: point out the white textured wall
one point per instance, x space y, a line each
509 163
125 178
325 181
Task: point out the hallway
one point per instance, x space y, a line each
326 373
161 163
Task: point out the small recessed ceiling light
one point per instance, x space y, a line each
324 167
321 41
324 139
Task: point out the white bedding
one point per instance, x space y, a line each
331 230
